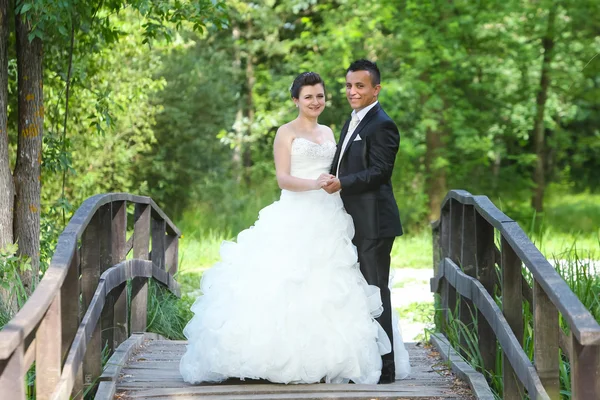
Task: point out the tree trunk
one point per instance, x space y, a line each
7 191
539 175
6 182
496 168
250 81
236 159
436 176
29 151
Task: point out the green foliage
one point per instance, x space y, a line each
192 108
167 315
55 18
11 287
170 100
112 79
187 119
578 271
417 312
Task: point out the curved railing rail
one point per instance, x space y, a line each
82 303
465 256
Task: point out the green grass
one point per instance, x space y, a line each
569 225
421 312
408 282
167 315
581 276
413 250
573 212
196 254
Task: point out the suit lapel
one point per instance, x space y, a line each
339 147
360 127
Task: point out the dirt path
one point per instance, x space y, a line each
413 299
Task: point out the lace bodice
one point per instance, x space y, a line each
310 159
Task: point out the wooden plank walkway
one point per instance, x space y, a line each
152 372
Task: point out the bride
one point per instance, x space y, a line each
287 301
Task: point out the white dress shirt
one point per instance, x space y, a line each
360 115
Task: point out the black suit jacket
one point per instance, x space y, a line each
365 175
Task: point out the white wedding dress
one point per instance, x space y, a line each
287 302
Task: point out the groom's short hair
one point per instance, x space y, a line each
366 65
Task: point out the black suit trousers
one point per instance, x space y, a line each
374 256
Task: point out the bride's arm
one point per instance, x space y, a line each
282 151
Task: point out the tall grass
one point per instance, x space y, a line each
569 225
580 273
167 315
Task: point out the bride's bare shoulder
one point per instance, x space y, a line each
285 133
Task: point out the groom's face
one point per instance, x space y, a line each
360 90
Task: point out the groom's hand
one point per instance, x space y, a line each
332 185
324 179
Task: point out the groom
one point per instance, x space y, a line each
363 165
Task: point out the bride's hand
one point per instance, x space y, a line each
324 180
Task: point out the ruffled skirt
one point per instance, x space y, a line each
287 302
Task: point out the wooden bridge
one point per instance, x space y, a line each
94 294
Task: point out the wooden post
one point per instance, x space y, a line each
468 260
456 230
447 298
105 239
438 317
454 245
512 308
486 274
585 371
172 254
69 304
158 242
456 240
12 370
119 294
90 276
546 330
78 388
437 256
48 360
70 315
139 286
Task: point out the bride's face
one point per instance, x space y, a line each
311 101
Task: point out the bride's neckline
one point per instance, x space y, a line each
310 141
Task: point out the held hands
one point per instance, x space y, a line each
329 183
323 180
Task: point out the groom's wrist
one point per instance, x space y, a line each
343 182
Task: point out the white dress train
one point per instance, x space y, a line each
287 302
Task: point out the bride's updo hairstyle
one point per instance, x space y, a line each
305 79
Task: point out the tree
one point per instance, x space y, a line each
539 127
27 174
57 23
6 181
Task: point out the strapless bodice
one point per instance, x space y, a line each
310 159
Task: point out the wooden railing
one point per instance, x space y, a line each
465 259
82 304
